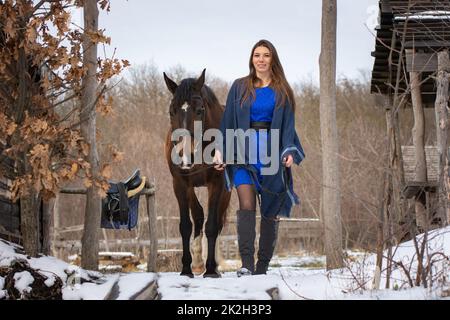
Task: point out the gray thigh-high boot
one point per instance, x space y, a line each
246 223
267 240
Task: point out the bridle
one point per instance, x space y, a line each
196 111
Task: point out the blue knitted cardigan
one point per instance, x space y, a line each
277 195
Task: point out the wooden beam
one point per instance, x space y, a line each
146 191
426 44
413 188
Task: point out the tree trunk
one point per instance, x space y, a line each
391 208
384 205
441 134
396 213
29 224
90 245
418 131
418 134
395 149
330 161
29 209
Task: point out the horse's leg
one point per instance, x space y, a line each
198 265
214 225
185 227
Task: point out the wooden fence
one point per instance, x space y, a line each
148 192
9 213
290 229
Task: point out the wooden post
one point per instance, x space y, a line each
441 112
418 134
90 247
331 190
151 211
47 226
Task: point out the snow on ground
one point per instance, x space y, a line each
171 286
290 278
23 280
291 283
79 284
90 291
303 278
132 283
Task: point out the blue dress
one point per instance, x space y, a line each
261 110
237 117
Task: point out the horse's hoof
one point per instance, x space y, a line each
198 270
188 274
214 274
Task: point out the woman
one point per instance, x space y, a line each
262 101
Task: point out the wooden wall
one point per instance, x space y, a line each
9 213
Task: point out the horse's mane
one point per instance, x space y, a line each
184 93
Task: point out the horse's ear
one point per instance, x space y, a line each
200 82
172 86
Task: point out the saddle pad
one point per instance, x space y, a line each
133 214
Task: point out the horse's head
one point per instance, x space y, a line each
186 108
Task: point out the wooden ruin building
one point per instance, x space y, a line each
411 71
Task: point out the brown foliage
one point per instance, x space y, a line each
40 73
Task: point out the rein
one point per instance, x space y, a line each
197 171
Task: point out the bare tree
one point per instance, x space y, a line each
441 133
330 161
418 135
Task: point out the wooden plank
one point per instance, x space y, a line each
76 244
146 191
75 228
432 159
14 237
421 62
5 188
9 215
9 222
426 44
414 188
150 292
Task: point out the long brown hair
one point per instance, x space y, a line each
279 83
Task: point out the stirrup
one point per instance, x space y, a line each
242 272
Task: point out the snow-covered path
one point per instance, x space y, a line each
288 279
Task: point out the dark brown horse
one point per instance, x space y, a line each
194 101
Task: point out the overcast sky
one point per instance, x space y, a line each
218 34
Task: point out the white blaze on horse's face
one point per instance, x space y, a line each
185 107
